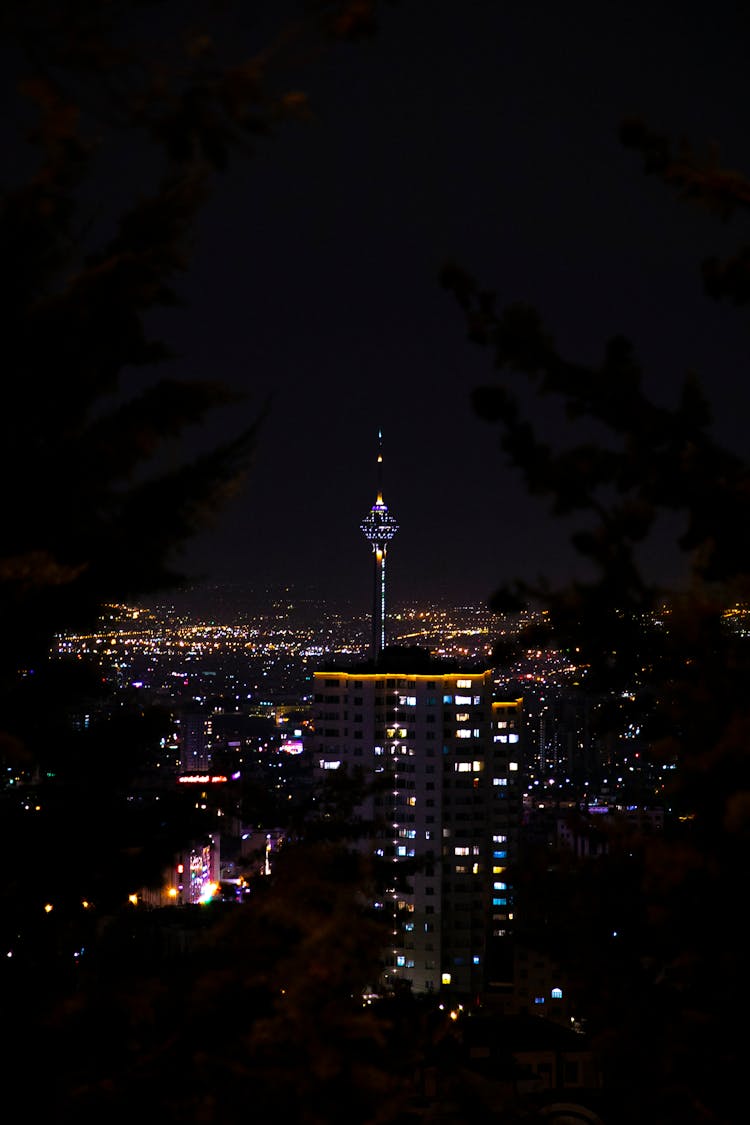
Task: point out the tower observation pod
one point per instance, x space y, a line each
379 527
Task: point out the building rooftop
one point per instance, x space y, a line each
406 659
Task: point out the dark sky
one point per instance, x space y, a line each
484 132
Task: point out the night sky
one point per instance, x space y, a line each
485 133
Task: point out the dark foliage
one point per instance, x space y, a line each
660 994
100 496
202 1014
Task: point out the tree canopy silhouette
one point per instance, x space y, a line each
676 653
97 511
101 494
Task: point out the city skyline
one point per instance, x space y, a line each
395 797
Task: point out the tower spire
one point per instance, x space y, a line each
380 468
379 527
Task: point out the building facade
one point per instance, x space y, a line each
441 762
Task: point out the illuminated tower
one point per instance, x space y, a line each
379 527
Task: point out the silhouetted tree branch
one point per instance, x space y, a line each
674 652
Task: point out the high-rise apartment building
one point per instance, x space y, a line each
444 757
195 740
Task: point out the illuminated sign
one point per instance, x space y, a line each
201 778
292 746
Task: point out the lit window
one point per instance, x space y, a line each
446 978
499 839
463 700
512 766
500 886
499 781
463 683
499 902
462 716
538 999
477 766
462 767
512 738
407 700
447 699
461 851
329 765
463 733
556 994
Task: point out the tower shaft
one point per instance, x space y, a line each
378 602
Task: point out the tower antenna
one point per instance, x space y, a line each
379 527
